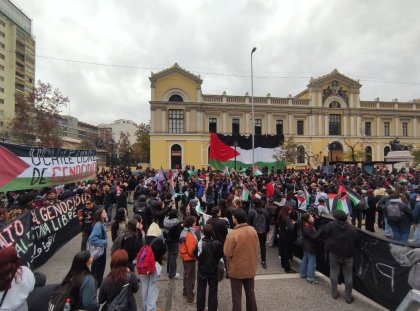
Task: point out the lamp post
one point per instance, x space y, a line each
4 136
235 144
252 104
112 152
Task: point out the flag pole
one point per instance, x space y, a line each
252 104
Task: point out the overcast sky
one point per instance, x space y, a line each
100 53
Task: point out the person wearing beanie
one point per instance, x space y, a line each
341 242
149 288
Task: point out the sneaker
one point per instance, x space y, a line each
350 300
291 271
263 264
175 276
312 281
335 296
302 276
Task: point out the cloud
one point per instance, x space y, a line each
366 40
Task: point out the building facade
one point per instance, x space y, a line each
76 133
326 120
17 59
121 125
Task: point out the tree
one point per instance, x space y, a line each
313 157
124 148
287 152
142 146
354 153
416 154
37 116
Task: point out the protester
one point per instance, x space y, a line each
341 241
149 289
241 248
310 238
86 221
99 238
209 254
82 283
16 281
322 207
38 299
108 201
3 217
172 225
118 277
131 243
286 237
259 218
119 224
187 249
399 217
416 218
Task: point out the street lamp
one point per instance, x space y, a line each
252 104
4 136
235 144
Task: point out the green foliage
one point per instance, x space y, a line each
416 154
141 148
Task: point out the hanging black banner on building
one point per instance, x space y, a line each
38 234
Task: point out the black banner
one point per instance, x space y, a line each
381 267
38 234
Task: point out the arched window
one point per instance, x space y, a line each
176 156
368 153
176 98
335 104
386 150
300 154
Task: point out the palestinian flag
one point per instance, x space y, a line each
331 197
256 171
342 205
226 170
223 153
245 193
307 195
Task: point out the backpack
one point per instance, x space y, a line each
118 243
146 263
393 212
260 223
120 302
58 298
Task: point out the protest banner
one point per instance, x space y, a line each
39 233
26 167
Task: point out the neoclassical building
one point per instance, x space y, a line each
325 119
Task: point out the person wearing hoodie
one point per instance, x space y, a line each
399 217
259 218
172 228
149 288
341 241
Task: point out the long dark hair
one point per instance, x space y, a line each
284 212
119 215
77 273
97 216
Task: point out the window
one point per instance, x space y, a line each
1 90
29 70
1 101
1 123
20 75
235 127
2 56
1 78
212 125
176 98
300 155
258 126
386 128
335 124
405 129
2 45
176 121
2 23
368 128
368 153
299 127
1 67
279 127
335 104
2 34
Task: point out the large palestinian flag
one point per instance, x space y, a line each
223 152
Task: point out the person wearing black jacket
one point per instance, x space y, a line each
172 226
108 201
85 219
209 254
259 218
341 241
131 243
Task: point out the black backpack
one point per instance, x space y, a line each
120 302
58 298
393 212
260 223
118 243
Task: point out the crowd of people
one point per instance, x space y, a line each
213 222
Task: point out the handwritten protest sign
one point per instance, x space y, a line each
25 167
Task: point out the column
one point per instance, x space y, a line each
320 131
224 122
378 126
311 124
199 122
352 127
359 126
345 124
152 121
289 124
415 126
269 118
326 125
397 126
164 121
247 121
377 156
187 121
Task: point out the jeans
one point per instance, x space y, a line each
417 234
201 293
149 291
387 227
172 256
108 209
85 237
400 232
262 237
236 287
308 266
338 262
189 279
